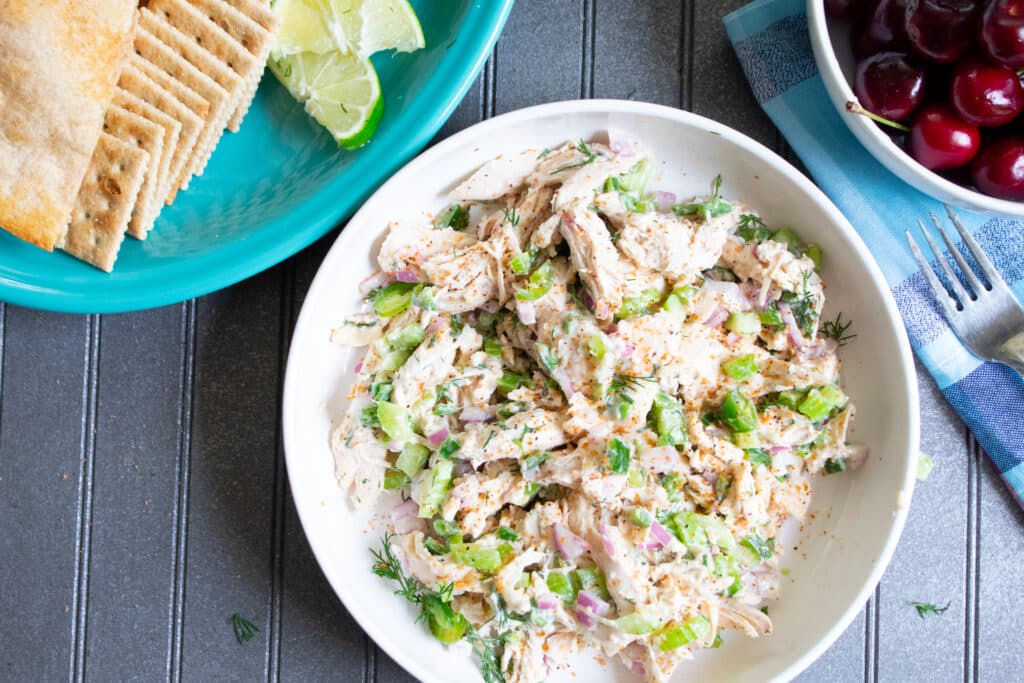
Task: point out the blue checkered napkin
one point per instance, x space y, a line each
772 41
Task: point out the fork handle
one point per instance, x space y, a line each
1012 353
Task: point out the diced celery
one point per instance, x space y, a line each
834 395
746 439
813 252
668 420
770 317
673 304
741 367
454 216
695 529
748 323
395 421
696 629
636 477
492 347
393 360
591 579
412 459
640 517
540 283
738 412
435 488
561 585
368 416
640 304
598 346
522 262
506 534
448 529
791 399
639 622
509 381
406 339
448 448
393 299
381 391
487 560
395 478
820 401
425 297
787 236
618 456
445 624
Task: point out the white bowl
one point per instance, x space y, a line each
830 40
855 519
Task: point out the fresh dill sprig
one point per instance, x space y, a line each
435 609
622 382
512 216
802 305
926 608
584 149
751 228
244 629
838 330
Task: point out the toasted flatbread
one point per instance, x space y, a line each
172 131
52 99
253 36
105 202
137 83
189 78
221 73
149 137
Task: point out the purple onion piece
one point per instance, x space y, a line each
569 544
438 437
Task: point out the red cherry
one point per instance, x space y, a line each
1002 32
847 10
940 30
889 85
999 169
985 94
939 139
883 30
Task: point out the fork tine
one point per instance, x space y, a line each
957 290
987 267
972 279
942 297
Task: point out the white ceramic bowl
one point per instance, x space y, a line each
830 40
856 518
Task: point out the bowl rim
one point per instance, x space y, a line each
284 237
361 221
880 145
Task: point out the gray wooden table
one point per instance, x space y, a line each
143 494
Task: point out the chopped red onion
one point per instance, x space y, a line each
606 541
434 325
463 467
660 533
585 618
717 317
627 350
378 279
359 367
586 298
665 200
404 517
780 449
473 415
820 349
438 437
638 668
602 310
622 144
548 601
407 276
732 339
569 544
796 336
527 312
660 459
592 603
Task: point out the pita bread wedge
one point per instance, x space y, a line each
186 46
253 36
137 83
189 77
53 95
172 131
149 137
105 202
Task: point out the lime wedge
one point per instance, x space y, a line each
369 26
303 28
340 91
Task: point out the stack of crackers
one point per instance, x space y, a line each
108 109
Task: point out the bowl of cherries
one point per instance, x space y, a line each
933 89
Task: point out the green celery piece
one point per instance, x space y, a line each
412 459
786 236
835 466
561 585
509 381
746 440
748 323
618 456
395 478
814 252
540 283
547 357
668 420
696 629
591 579
487 560
640 304
738 412
640 517
393 299
598 346
492 347
435 488
455 217
819 402
407 339
638 623
395 421
445 624
741 367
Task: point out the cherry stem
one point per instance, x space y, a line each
857 109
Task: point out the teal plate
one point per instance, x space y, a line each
275 186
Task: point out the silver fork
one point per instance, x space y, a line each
988 319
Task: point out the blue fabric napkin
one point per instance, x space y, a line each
773 44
